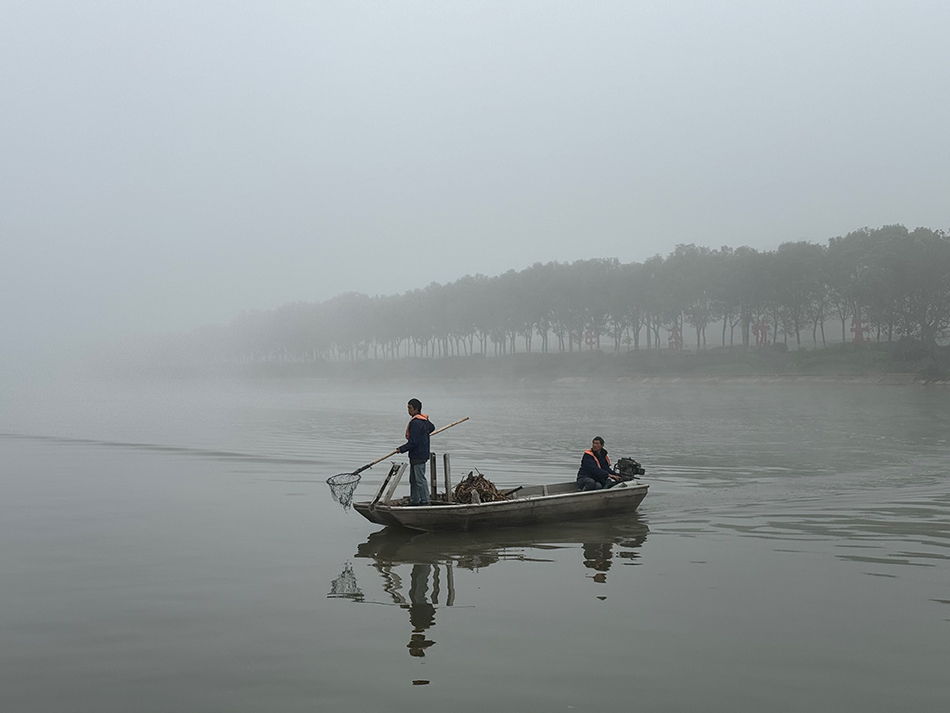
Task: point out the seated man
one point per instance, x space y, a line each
595 472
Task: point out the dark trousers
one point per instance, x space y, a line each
588 484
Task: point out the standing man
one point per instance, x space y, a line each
594 472
417 446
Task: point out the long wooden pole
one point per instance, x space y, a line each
461 420
393 470
379 460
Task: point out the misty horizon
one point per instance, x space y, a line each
167 167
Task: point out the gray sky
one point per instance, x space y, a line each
169 164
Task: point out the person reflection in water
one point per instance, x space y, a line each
597 556
421 611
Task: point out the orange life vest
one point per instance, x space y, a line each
418 415
591 453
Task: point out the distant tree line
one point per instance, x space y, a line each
880 284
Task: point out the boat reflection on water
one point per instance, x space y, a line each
427 561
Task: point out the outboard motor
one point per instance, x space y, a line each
629 469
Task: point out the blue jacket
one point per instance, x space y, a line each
417 439
592 467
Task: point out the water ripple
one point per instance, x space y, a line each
159 448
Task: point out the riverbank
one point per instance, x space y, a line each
873 364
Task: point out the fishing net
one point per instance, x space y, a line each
342 487
345 586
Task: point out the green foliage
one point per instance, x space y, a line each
894 283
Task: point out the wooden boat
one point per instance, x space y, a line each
529 505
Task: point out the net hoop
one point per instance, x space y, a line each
342 487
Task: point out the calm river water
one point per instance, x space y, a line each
172 546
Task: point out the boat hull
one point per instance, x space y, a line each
538 504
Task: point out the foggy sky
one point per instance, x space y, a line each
165 165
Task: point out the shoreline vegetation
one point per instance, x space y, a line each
875 302
892 364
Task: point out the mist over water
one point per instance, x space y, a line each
298 186
173 545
